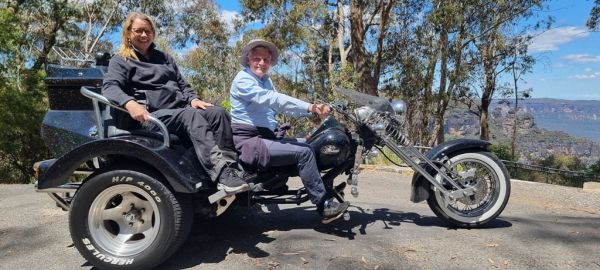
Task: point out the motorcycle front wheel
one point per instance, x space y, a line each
491 184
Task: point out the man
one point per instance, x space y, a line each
254 104
145 80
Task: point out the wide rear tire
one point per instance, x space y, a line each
488 176
125 219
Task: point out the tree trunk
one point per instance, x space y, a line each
59 21
367 83
428 91
340 34
488 90
438 131
385 17
513 143
330 60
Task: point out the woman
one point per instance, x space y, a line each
145 80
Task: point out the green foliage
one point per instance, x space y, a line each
20 119
595 168
28 32
386 157
563 162
502 151
594 19
401 57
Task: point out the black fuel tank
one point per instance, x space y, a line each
331 147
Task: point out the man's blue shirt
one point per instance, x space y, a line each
254 101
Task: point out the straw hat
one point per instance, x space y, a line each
256 43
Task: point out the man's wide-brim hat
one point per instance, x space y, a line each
259 43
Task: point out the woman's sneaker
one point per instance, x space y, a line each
231 182
332 210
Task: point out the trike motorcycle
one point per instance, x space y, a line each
132 194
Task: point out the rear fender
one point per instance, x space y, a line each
178 169
420 186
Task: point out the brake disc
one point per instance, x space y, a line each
479 185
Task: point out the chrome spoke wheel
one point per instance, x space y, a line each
124 220
486 176
479 176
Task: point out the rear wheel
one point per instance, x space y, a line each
124 219
490 181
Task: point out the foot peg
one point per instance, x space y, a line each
223 200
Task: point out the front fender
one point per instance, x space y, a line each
178 169
420 185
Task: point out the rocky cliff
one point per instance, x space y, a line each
563 121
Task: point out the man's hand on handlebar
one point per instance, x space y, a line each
137 111
322 110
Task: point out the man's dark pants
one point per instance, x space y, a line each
294 151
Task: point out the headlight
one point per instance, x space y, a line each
363 113
399 106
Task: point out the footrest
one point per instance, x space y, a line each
217 196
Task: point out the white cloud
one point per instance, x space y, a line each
582 58
588 76
551 39
228 16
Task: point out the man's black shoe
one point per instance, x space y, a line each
231 182
332 210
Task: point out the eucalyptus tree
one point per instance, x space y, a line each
494 23
364 15
211 63
450 18
594 19
30 31
303 30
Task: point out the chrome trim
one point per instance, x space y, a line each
97 97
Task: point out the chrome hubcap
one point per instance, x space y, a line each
124 220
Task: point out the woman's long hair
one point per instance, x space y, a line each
125 49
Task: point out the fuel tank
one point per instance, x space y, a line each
330 144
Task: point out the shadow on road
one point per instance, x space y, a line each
240 231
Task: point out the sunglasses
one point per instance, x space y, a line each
259 59
140 31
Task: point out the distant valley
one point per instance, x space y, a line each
545 127
579 118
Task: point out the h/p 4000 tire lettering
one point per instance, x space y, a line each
128 219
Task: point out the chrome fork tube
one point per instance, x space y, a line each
415 166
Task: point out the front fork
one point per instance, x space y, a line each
358 158
409 154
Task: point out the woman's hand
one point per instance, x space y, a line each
199 104
137 111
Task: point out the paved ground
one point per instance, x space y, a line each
543 227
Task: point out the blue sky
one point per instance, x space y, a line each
568 55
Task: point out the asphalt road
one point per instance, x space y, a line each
543 227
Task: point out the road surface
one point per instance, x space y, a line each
543 227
